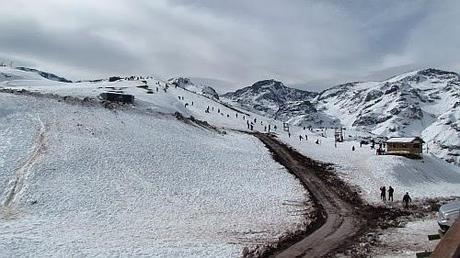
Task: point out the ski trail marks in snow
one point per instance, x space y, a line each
16 184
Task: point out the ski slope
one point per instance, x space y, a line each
132 183
430 177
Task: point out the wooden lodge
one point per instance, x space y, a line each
410 147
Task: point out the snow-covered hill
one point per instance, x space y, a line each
24 73
49 76
77 179
425 103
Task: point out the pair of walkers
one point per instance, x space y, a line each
383 193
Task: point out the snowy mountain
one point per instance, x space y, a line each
275 100
424 102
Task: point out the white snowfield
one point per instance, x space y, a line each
126 183
429 177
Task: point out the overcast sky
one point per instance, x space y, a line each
312 44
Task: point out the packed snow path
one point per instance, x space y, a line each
341 223
17 182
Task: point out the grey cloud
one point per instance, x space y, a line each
318 42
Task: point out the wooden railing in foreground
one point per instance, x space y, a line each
449 246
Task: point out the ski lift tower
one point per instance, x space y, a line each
338 134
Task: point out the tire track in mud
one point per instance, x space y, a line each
16 184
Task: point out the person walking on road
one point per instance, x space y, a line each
390 193
383 193
406 200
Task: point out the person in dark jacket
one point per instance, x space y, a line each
383 193
406 200
390 193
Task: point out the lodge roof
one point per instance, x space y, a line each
404 139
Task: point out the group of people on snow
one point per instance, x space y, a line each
383 196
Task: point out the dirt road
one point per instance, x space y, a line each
341 222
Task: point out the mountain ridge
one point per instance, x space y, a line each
422 102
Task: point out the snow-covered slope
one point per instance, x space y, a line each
81 180
429 177
24 73
46 75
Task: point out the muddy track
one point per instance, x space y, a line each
340 223
17 182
